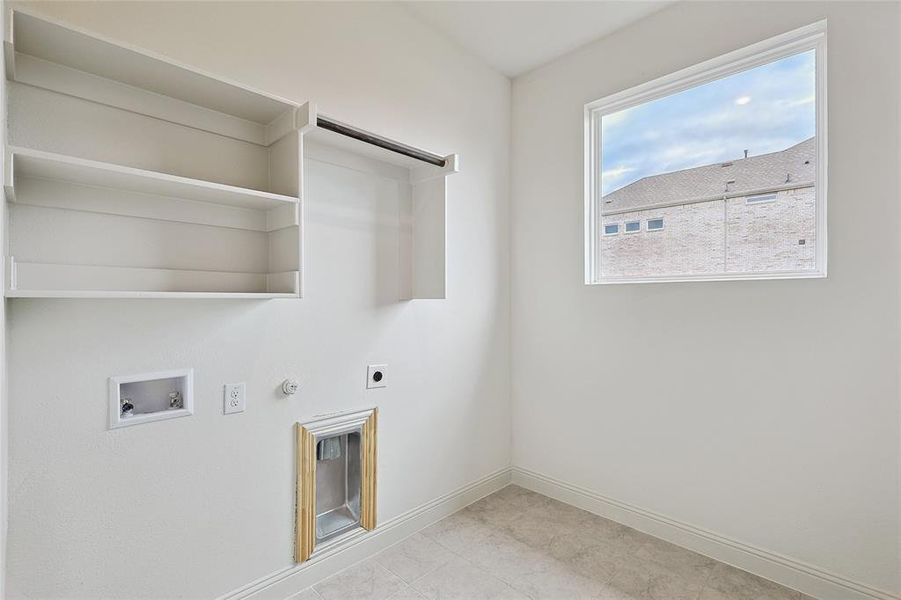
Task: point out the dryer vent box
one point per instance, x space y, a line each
336 479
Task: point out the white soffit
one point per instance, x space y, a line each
516 36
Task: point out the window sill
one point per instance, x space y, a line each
711 277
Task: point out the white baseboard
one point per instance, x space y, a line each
289 581
791 573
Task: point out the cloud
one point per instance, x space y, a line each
705 124
800 101
616 173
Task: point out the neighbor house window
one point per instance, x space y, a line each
761 198
696 150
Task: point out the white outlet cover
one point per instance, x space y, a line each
234 398
377 376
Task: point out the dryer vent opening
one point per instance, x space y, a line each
336 480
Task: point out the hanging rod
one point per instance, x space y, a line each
375 140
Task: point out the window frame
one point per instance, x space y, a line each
647 224
627 223
810 37
606 225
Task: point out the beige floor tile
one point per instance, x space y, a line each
536 533
508 507
493 514
505 557
365 581
552 579
562 516
729 583
307 594
414 557
647 580
565 532
599 563
520 545
685 562
712 594
407 593
582 527
611 538
520 498
458 532
459 580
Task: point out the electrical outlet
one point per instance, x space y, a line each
377 376
235 398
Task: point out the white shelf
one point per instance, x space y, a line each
47 165
74 294
44 280
129 175
51 55
137 170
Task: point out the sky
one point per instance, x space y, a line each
764 109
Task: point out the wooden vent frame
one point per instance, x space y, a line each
366 423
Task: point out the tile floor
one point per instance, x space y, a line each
516 544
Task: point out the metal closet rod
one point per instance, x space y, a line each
371 138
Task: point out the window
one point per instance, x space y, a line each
693 153
761 198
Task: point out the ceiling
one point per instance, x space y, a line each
517 36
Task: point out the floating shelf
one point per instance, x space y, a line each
25 162
42 280
62 58
53 181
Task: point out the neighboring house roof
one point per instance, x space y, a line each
794 165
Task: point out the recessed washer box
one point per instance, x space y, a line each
148 397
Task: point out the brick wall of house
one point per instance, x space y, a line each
718 236
768 236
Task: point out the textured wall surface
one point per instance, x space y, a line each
765 411
198 506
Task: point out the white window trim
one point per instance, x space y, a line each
606 225
811 37
647 224
625 230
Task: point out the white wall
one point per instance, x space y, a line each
765 411
4 450
198 506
